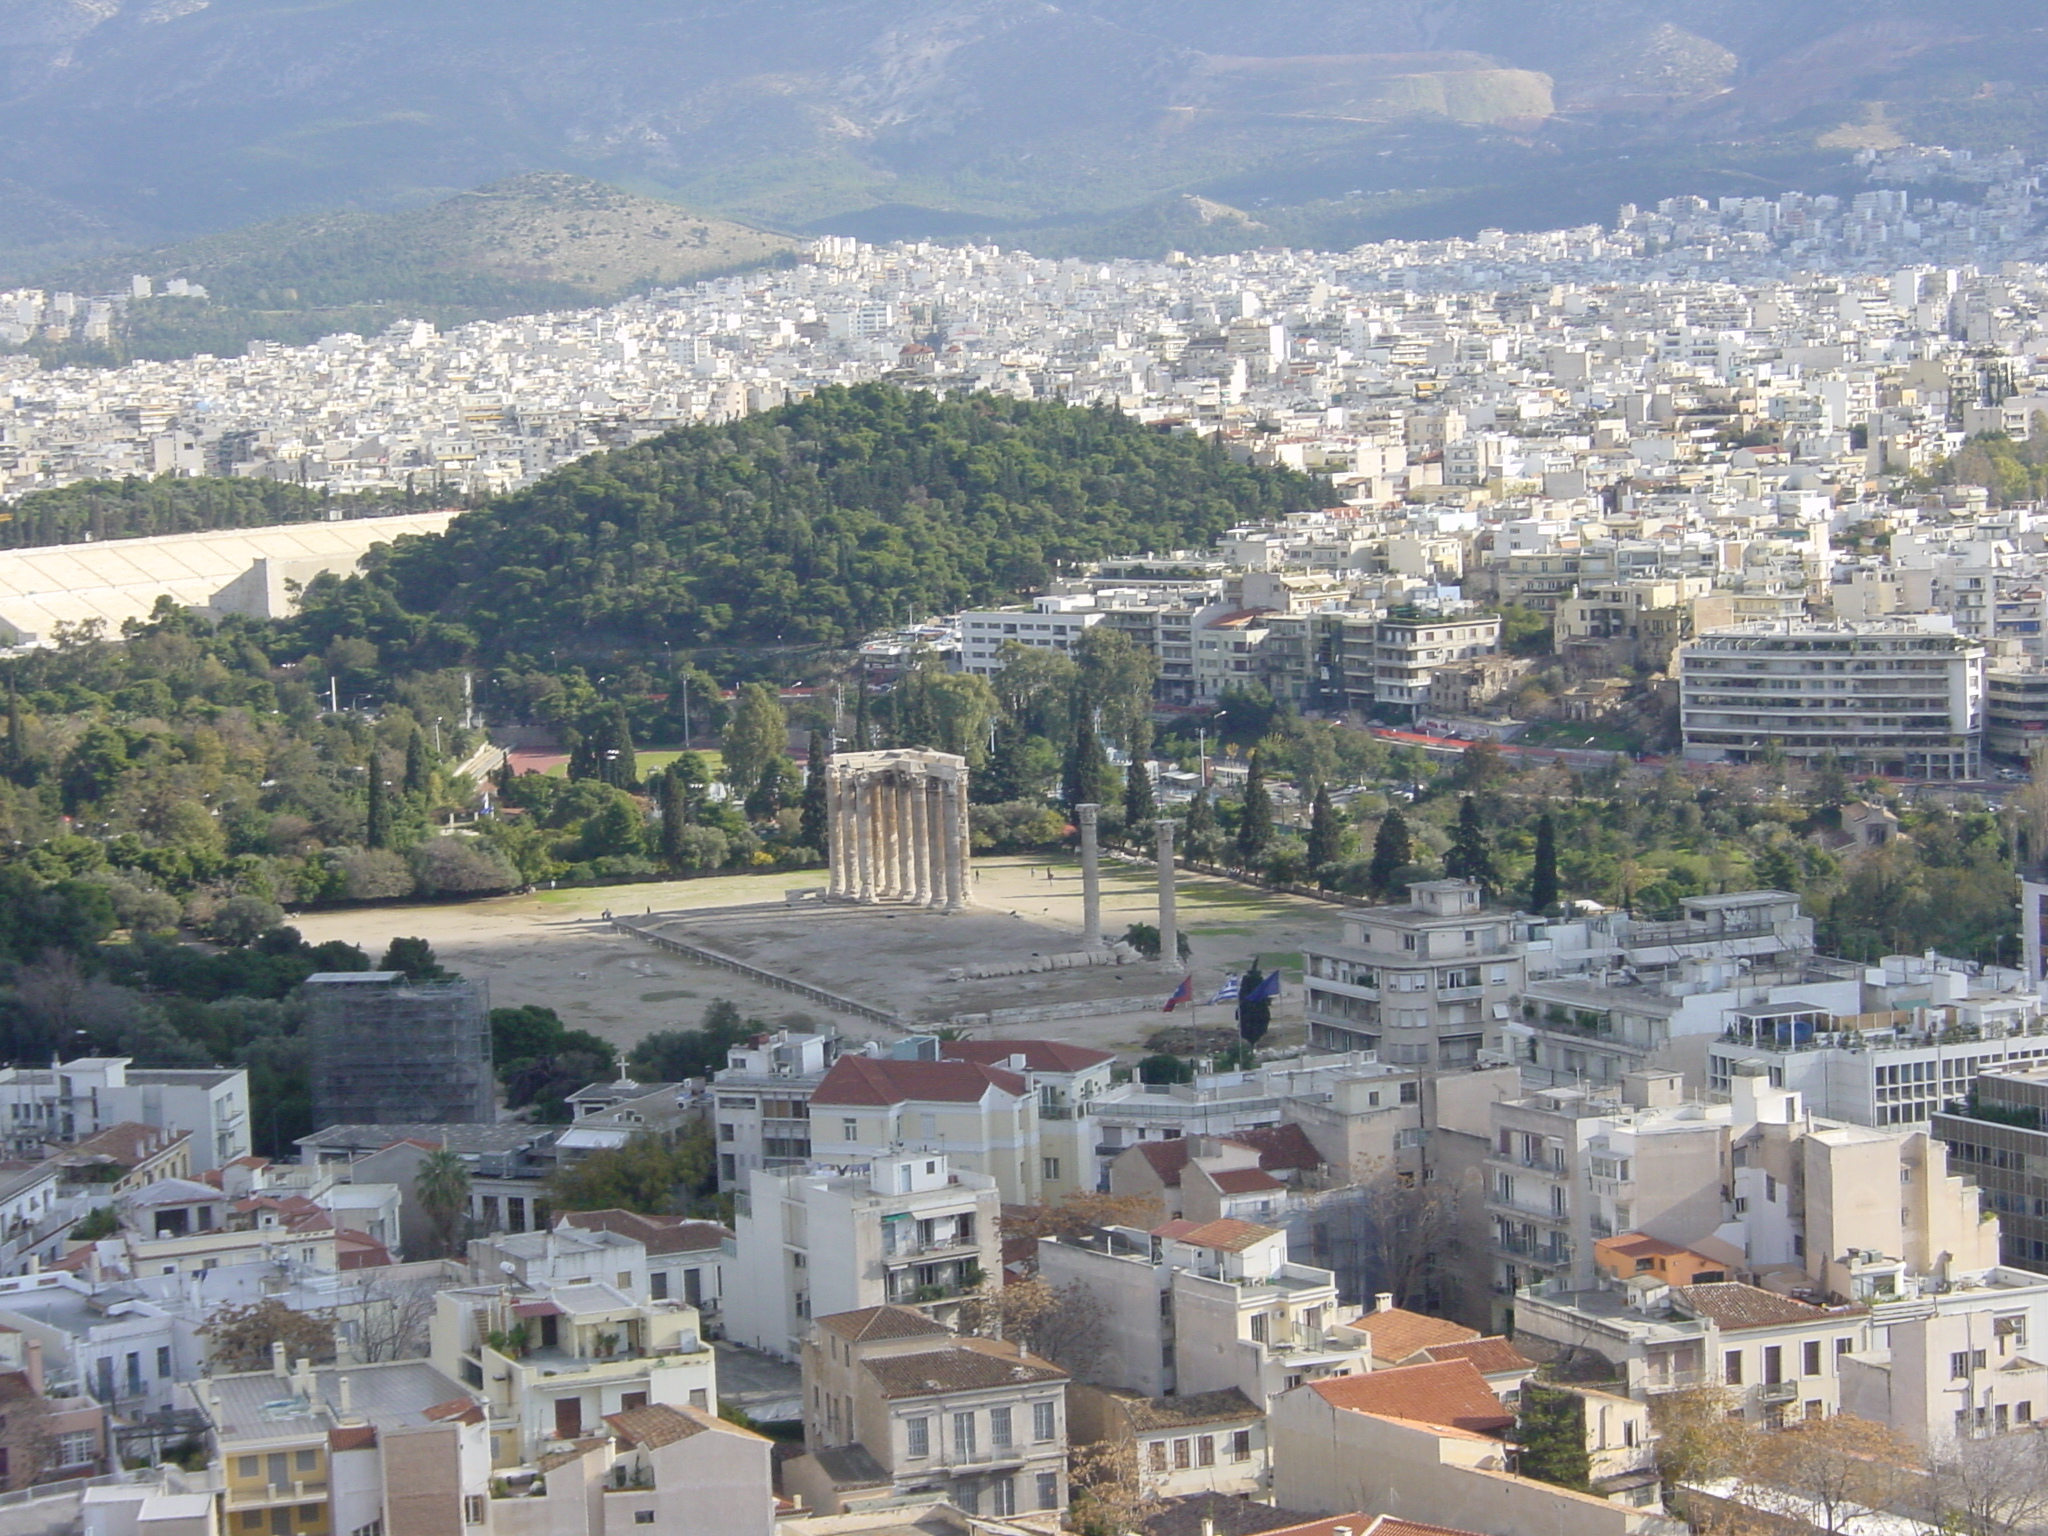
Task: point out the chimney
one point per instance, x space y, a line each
33 1365
344 1404
278 1365
302 1379
1383 1301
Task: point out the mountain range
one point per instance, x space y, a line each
126 122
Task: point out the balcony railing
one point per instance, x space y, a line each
299 1491
1778 1392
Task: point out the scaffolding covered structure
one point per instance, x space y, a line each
386 1050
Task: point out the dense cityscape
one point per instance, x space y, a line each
1472 990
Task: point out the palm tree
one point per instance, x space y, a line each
442 1188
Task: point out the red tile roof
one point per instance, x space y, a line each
1039 1055
882 1323
1243 1181
1167 1158
1279 1146
1398 1333
352 1437
858 1080
1366 1525
1732 1305
1494 1355
657 1234
1228 1234
1452 1394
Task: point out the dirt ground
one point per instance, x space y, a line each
554 948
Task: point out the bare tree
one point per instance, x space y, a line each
389 1317
238 1338
1392 1230
1111 1497
1079 1212
1062 1324
1991 1486
1833 1468
1702 1436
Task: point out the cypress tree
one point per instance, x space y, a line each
675 815
1391 851
816 828
17 746
1552 1433
1202 838
1141 809
1325 833
416 763
1254 1015
1087 774
1543 888
860 712
1255 819
1471 857
622 771
377 824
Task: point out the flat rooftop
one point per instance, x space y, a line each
397 1395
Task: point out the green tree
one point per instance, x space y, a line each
414 957
377 822
1088 775
1325 835
1140 807
816 832
1551 1428
1116 677
1471 855
1161 1068
646 1175
756 735
1254 1013
442 1188
1204 838
674 802
416 782
1255 815
1543 885
621 767
1392 851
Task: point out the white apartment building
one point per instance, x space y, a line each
1900 696
977 1421
1408 646
763 1102
983 1119
902 1229
1428 984
1050 623
75 1099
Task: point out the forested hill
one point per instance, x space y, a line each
815 522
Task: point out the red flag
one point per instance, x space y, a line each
1184 993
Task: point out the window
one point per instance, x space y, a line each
918 1434
1004 1501
849 1130
1042 1426
1964 1361
628 1401
1205 1451
1048 1490
1731 1367
248 1466
1809 1363
305 1461
163 1362
1774 1364
1049 1167
657 1285
473 1509
1241 1445
963 1434
77 1448
999 1429
1155 1456
1183 1455
643 1517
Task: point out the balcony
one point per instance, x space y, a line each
1778 1392
255 1495
1676 1381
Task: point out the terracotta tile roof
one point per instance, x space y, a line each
1243 1181
1167 1158
1222 1513
858 1080
1039 1055
462 1409
1733 1305
352 1437
659 1424
657 1234
881 1323
359 1250
562 1458
1180 1412
1179 1227
1231 1235
1392 1525
1452 1395
1279 1146
964 1365
130 1142
1398 1333
1493 1355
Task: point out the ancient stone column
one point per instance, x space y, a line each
922 861
1091 876
1169 924
863 797
837 825
890 801
952 826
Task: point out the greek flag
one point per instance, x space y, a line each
1227 993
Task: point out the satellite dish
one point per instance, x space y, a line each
507 1267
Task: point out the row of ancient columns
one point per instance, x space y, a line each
898 837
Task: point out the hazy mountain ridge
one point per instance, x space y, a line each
151 119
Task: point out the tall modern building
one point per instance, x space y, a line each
387 1051
1901 696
